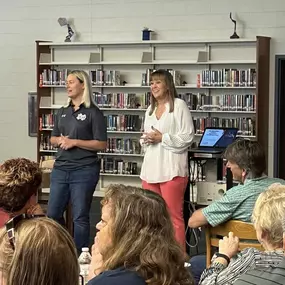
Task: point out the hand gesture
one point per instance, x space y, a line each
153 137
96 262
65 143
229 245
35 210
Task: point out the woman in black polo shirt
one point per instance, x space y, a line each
79 132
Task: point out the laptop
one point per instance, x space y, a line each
215 140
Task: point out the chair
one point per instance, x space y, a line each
244 231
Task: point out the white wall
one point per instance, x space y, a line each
24 21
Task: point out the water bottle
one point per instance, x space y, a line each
84 261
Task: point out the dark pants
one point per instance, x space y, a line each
198 265
77 186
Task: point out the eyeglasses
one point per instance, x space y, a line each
12 223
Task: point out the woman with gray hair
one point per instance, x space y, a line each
268 215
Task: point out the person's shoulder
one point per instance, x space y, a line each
235 190
94 109
275 180
118 277
274 274
179 103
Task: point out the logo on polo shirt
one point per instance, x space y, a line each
81 117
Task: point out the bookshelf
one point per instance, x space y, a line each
224 82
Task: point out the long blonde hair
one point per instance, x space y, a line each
167 78
44 254
87 98
143 237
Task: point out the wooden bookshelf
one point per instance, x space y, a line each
132 59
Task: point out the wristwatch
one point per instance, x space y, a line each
223 256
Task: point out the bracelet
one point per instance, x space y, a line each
223 256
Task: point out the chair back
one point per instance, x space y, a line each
244 231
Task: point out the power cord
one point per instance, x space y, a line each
196 173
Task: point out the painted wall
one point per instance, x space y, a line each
24 21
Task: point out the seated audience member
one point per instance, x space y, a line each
135 242
272 275
20 180
37 251
268 215
246 160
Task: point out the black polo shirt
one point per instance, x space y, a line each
83 124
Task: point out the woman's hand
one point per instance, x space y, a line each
35 210
96 262
153 137
229 245
66 143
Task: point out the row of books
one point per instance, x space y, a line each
122 100
123 145
231 77
219 78
45 143
199 101
223 102
53 77
118 166
46 121
105 77
124 122
246 126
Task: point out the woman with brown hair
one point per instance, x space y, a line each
168 133
37 251
135 241
20 181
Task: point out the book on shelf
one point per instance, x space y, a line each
122 100
246 126
46 121
118 166
133 123
227 77
53 77
222 102
105 77
123 145
45 143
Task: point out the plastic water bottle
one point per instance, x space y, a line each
84 261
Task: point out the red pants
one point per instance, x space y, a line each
173 193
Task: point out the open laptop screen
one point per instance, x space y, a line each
218 137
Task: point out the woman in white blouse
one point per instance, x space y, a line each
168 132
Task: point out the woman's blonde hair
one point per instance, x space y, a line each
83 77
143 237
167 78
44 254
269 213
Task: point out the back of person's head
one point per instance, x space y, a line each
44 254
20 179
248 155
142 237
269 213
